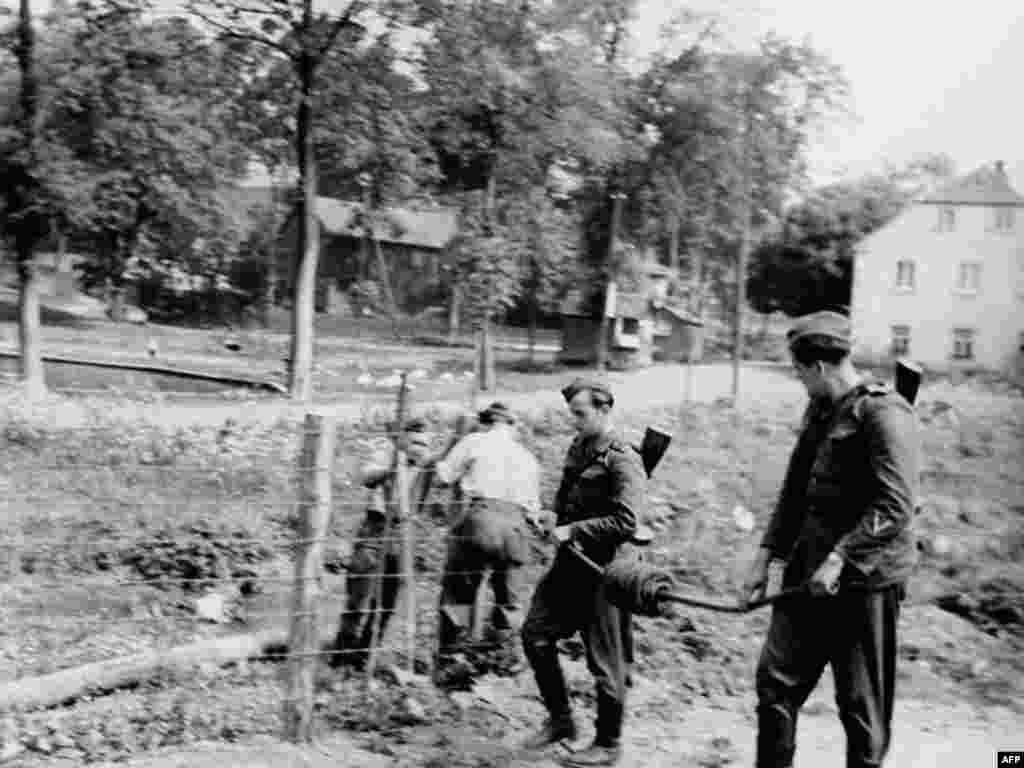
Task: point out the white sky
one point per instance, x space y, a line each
926 76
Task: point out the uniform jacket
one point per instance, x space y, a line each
851 486
601 494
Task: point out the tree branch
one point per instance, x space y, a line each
227 31
343 21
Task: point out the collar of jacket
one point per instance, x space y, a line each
599 444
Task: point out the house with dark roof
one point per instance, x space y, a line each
412 243
644 325
943 283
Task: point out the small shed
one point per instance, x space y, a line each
678 335
640 331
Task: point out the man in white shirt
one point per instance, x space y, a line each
500 483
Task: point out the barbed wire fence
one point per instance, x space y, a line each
132 552
140 553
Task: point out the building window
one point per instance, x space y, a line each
963 344
947 218
1004 216
627 332
969 277
900 345
905 275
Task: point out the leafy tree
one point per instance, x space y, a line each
290 31
143 115
809 265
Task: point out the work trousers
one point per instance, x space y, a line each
488 537
855 633
355 633
570 598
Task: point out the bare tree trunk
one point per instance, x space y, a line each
601 353
673 243
531 326
488 377
385 279
741 258
454 308
308 246
29 330
697 278
23 192
271 274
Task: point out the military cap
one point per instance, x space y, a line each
495 412
830 325
599 388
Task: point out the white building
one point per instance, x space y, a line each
943 283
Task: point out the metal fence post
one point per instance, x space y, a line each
315 465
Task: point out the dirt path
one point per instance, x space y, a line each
651 387
660 733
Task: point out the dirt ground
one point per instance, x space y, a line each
959 695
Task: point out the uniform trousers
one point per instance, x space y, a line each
854 632
570 598
375 539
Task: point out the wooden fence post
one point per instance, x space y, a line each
408 559
316 461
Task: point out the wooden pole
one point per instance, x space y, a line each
314 513
742 256
602 339
408 569
387 545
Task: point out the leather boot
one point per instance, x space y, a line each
598 753
553 731
776 731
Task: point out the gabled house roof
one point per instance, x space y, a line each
627 304
680 313
988 185
401 226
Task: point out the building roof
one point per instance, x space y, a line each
632 304
988 185
654 269
402 226
680 313
627 304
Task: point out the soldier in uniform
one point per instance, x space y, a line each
597 506
377 538
843 524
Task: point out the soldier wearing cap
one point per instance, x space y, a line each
843 525
500 484
597 506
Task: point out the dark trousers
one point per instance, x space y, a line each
855 633
489 537
570 599
355 633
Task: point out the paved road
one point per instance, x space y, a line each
661 385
